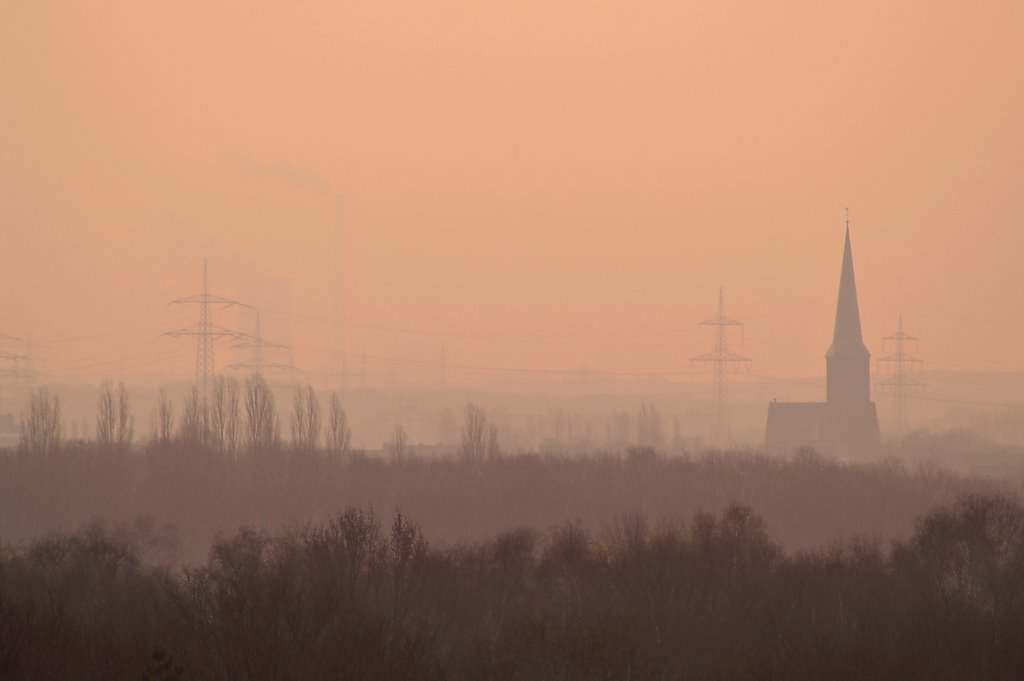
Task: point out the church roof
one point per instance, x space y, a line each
847 338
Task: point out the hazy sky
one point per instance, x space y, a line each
528 184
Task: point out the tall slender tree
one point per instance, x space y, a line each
306 419
338 432
41 429
263 430
474 434
162 422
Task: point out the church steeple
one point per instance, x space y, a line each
847 362
846 423
847 338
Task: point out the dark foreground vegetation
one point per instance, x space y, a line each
804 568
714 598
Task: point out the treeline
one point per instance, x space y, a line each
228 417
354 598
231 416
223 464
806 500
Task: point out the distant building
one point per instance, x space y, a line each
434 451
846 423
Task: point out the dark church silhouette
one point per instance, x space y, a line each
846 423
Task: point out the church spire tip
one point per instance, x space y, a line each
847 335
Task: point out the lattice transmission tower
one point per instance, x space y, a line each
722 361
12 363
256 344
900 368
9 354
206 332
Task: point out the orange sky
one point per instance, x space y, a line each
528 184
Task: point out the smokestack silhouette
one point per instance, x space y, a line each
339 292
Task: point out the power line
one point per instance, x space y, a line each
538 336
970 403
81 368
574 372
18 364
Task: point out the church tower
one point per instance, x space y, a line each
851 420
847 362
846 423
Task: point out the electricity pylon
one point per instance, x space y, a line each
14 358
721 359
206 332
14 367
257 363
900 368
19 364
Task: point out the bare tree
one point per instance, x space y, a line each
263 431
306 419
474 434
115 424
338 432
217 413
619 427
224 415
399 438
648 425
449 429
40 428
106 416
162 422
233 426
493 451
194 421
125 432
